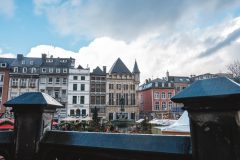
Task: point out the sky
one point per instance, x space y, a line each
183 37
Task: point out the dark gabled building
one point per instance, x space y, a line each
98 91
24 75
122 85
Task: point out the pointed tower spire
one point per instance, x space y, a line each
135 68
136 72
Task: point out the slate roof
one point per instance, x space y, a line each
119 67
18 63
7 60
179 79
98 71
202 89
34 99
135 68
57 62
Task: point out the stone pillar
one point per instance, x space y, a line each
32 113
214 112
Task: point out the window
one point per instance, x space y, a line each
82 100
56 94
170 105
63 61
98 87
64 70
33 70
163 95
77 112
1 92
24 70
49 60
23 61
3 65
82 87
43 70
125 98
64 93
110 116
31 62
72 113
156 95
111 99
1 77
75 77
50 70
58 70
119 86
111 86
32 83
64 80
74 99
97 99
169 94
133 102
118 97
133 116
74 87
57 80
125 87
102 99
132 87
23 83
169 85
50 80
82 77
93 100
42 80
15 69
84 112
157 107
164 107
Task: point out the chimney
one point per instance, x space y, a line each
167 75
44 56
19 57
104 69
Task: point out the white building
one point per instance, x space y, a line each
78 93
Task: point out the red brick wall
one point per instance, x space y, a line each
5 89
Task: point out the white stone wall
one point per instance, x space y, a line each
79 73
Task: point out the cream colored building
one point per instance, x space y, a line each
121 83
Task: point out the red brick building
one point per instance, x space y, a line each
154 99
4 81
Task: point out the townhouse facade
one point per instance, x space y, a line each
155 99
4 81
122 86
98 91
54 80
77 89
78 93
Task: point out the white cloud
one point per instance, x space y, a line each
7 55
155 54
7 8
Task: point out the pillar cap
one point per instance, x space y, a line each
34 99
214 93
